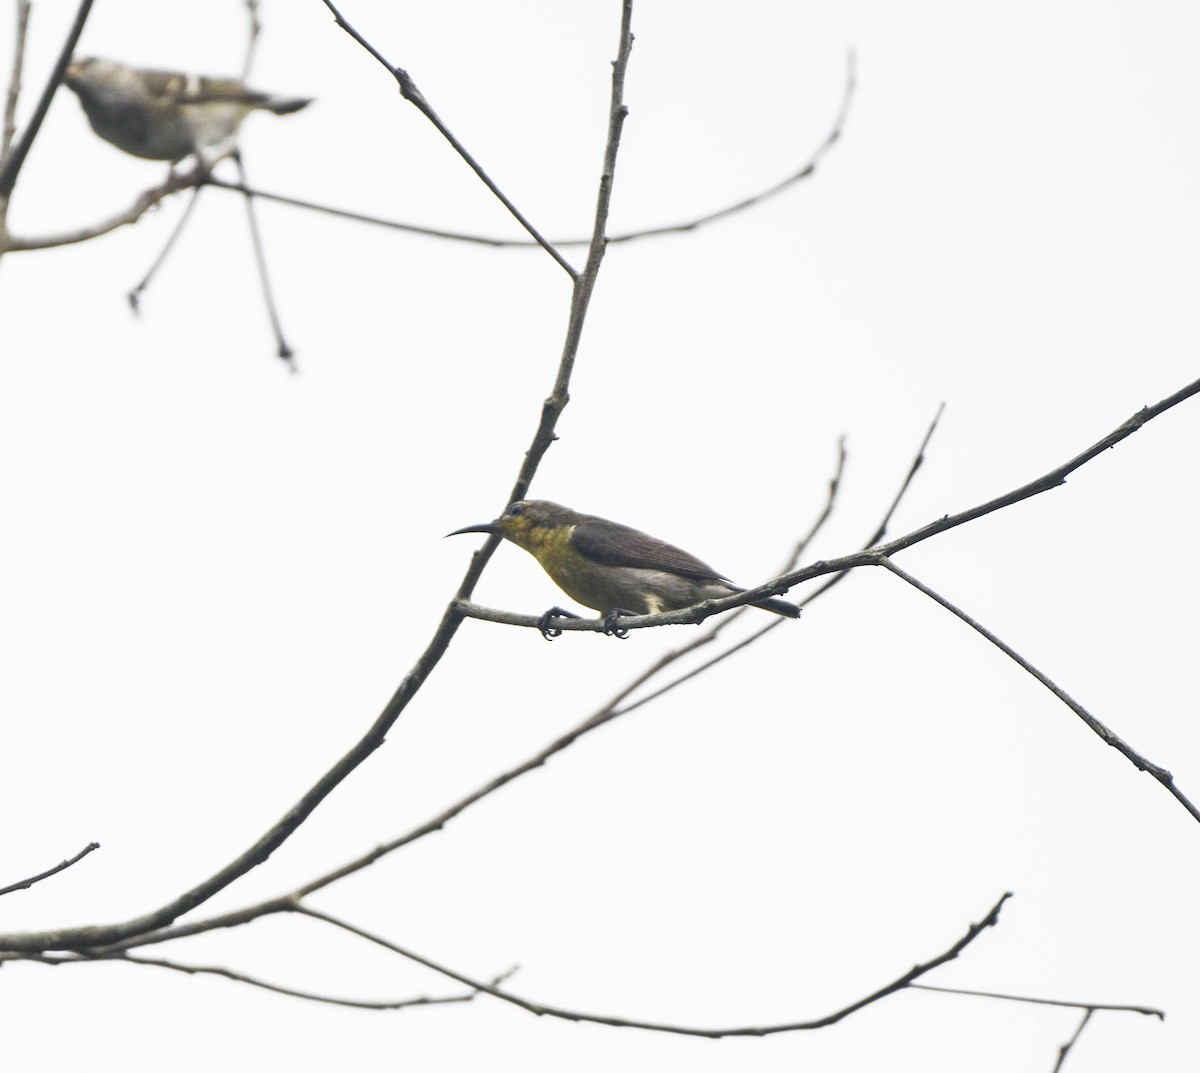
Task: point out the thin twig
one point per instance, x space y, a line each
1065 1049
109 935
542 1010
581 296
282 349
25 884
917 462
1148 1011
820 591
14 79
141 205
792 560
1092 723
134 296
254 29
252 981
1053 479
805 171
15 160
410 92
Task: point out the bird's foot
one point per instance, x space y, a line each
546 622
611 629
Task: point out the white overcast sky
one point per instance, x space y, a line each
215 573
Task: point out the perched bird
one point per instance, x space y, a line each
162 115
610 567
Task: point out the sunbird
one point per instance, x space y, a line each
610 567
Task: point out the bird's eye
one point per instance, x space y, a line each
516 508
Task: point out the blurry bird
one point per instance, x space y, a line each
610 567
161 115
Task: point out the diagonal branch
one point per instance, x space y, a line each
15 160
1053 479
82 938
1065 1049
804 172
541 1010
581 297
9 129
282 349
142 204
134 297
1092 723
253 32
409 91
62 866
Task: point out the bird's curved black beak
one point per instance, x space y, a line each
485 527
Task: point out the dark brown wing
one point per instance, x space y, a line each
619 545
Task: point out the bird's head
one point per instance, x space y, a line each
528 523
93 77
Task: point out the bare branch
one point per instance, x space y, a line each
581 297
1092 723
13 95
282 349
541 1010
235 919
254 29
141 205
1148 1011
1050 480
134 297
804 171
252 981
409 91
365 218
917 462
1065 1049
15 160
25 884
799 550
90 937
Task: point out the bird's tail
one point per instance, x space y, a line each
287 105
780 607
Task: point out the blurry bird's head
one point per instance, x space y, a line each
95 79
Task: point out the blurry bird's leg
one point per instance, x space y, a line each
282 349
611 629
135 295
546 622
